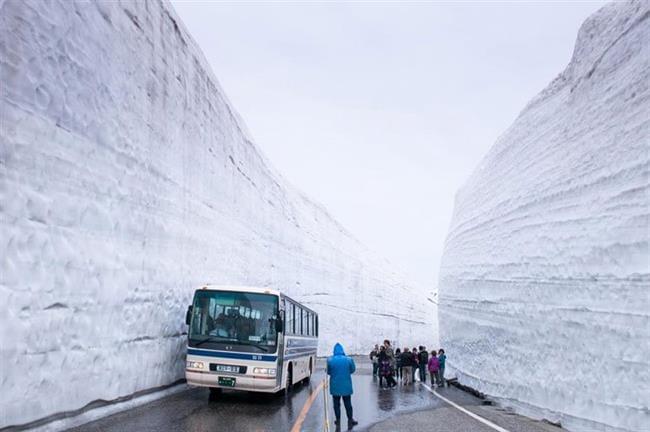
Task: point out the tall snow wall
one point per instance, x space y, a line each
545 277
127 181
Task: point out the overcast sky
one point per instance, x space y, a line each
380 111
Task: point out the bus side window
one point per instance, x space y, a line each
302 321
316 325
287 318
298 321
308 329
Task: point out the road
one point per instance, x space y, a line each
377 410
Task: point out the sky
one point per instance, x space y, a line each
381 110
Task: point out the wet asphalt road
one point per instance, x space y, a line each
376 410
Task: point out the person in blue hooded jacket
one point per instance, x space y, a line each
340 369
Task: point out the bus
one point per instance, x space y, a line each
248 338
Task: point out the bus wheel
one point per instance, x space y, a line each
289 385
215 392
308 378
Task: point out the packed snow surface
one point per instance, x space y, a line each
545 278
128 180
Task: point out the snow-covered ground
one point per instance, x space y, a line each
545 279
128 180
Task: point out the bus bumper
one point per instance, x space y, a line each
242 382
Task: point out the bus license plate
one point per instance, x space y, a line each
226 381
226 368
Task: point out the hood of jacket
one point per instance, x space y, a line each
338 350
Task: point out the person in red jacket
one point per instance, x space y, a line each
434 368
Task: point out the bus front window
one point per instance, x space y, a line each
234 318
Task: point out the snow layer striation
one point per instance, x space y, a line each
545 278
127 181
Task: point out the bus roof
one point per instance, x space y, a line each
239 288
251 289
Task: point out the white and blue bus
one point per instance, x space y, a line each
247 338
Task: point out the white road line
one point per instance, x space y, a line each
469 413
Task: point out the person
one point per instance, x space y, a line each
385 369
374 358
414 366
442 358
424 360
340 369
398 363
433 367
390 353
407 365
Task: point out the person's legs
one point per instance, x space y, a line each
381 380
406 373
423 373
337 407
375 366
442 376
438 380
433 378
347 401
413 374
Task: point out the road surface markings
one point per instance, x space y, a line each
469 413
305 409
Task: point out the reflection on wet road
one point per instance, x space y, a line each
192 410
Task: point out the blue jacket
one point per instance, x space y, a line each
340 369
442 359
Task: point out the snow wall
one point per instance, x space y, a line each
128 180
545 279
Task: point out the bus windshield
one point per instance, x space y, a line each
234 318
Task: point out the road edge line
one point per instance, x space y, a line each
469 413
305 409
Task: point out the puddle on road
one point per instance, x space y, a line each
372 404
234 411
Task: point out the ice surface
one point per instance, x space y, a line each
545 278
127 181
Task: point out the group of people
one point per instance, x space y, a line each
406 364
387 364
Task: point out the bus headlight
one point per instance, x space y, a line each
194 365
264 371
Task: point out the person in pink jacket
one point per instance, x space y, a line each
434 368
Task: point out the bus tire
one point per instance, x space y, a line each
289 385
311 370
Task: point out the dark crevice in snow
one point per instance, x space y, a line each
56 305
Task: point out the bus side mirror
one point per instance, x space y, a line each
188 315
